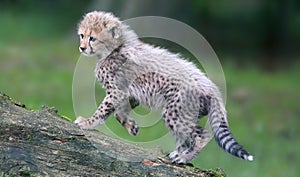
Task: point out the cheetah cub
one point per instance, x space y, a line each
133 73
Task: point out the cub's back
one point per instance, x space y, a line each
153 59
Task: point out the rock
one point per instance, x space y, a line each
41 143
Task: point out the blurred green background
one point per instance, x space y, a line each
257 43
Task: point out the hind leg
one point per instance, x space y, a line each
181 129
190 137
200 137
190 145
181 114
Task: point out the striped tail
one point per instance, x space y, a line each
222 134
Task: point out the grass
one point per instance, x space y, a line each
39 73
263 108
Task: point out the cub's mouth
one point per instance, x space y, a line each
86 52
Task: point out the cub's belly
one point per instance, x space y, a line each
148 96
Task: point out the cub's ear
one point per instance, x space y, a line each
114 28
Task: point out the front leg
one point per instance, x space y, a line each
122 114
108 105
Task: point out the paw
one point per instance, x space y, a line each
132 128
175 157
83 123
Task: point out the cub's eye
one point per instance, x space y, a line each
92 39
81 36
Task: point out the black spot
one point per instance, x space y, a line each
171 94
164 114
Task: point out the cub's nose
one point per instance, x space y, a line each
82 49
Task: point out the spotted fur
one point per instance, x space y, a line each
133 73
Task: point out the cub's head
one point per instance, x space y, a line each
99 33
